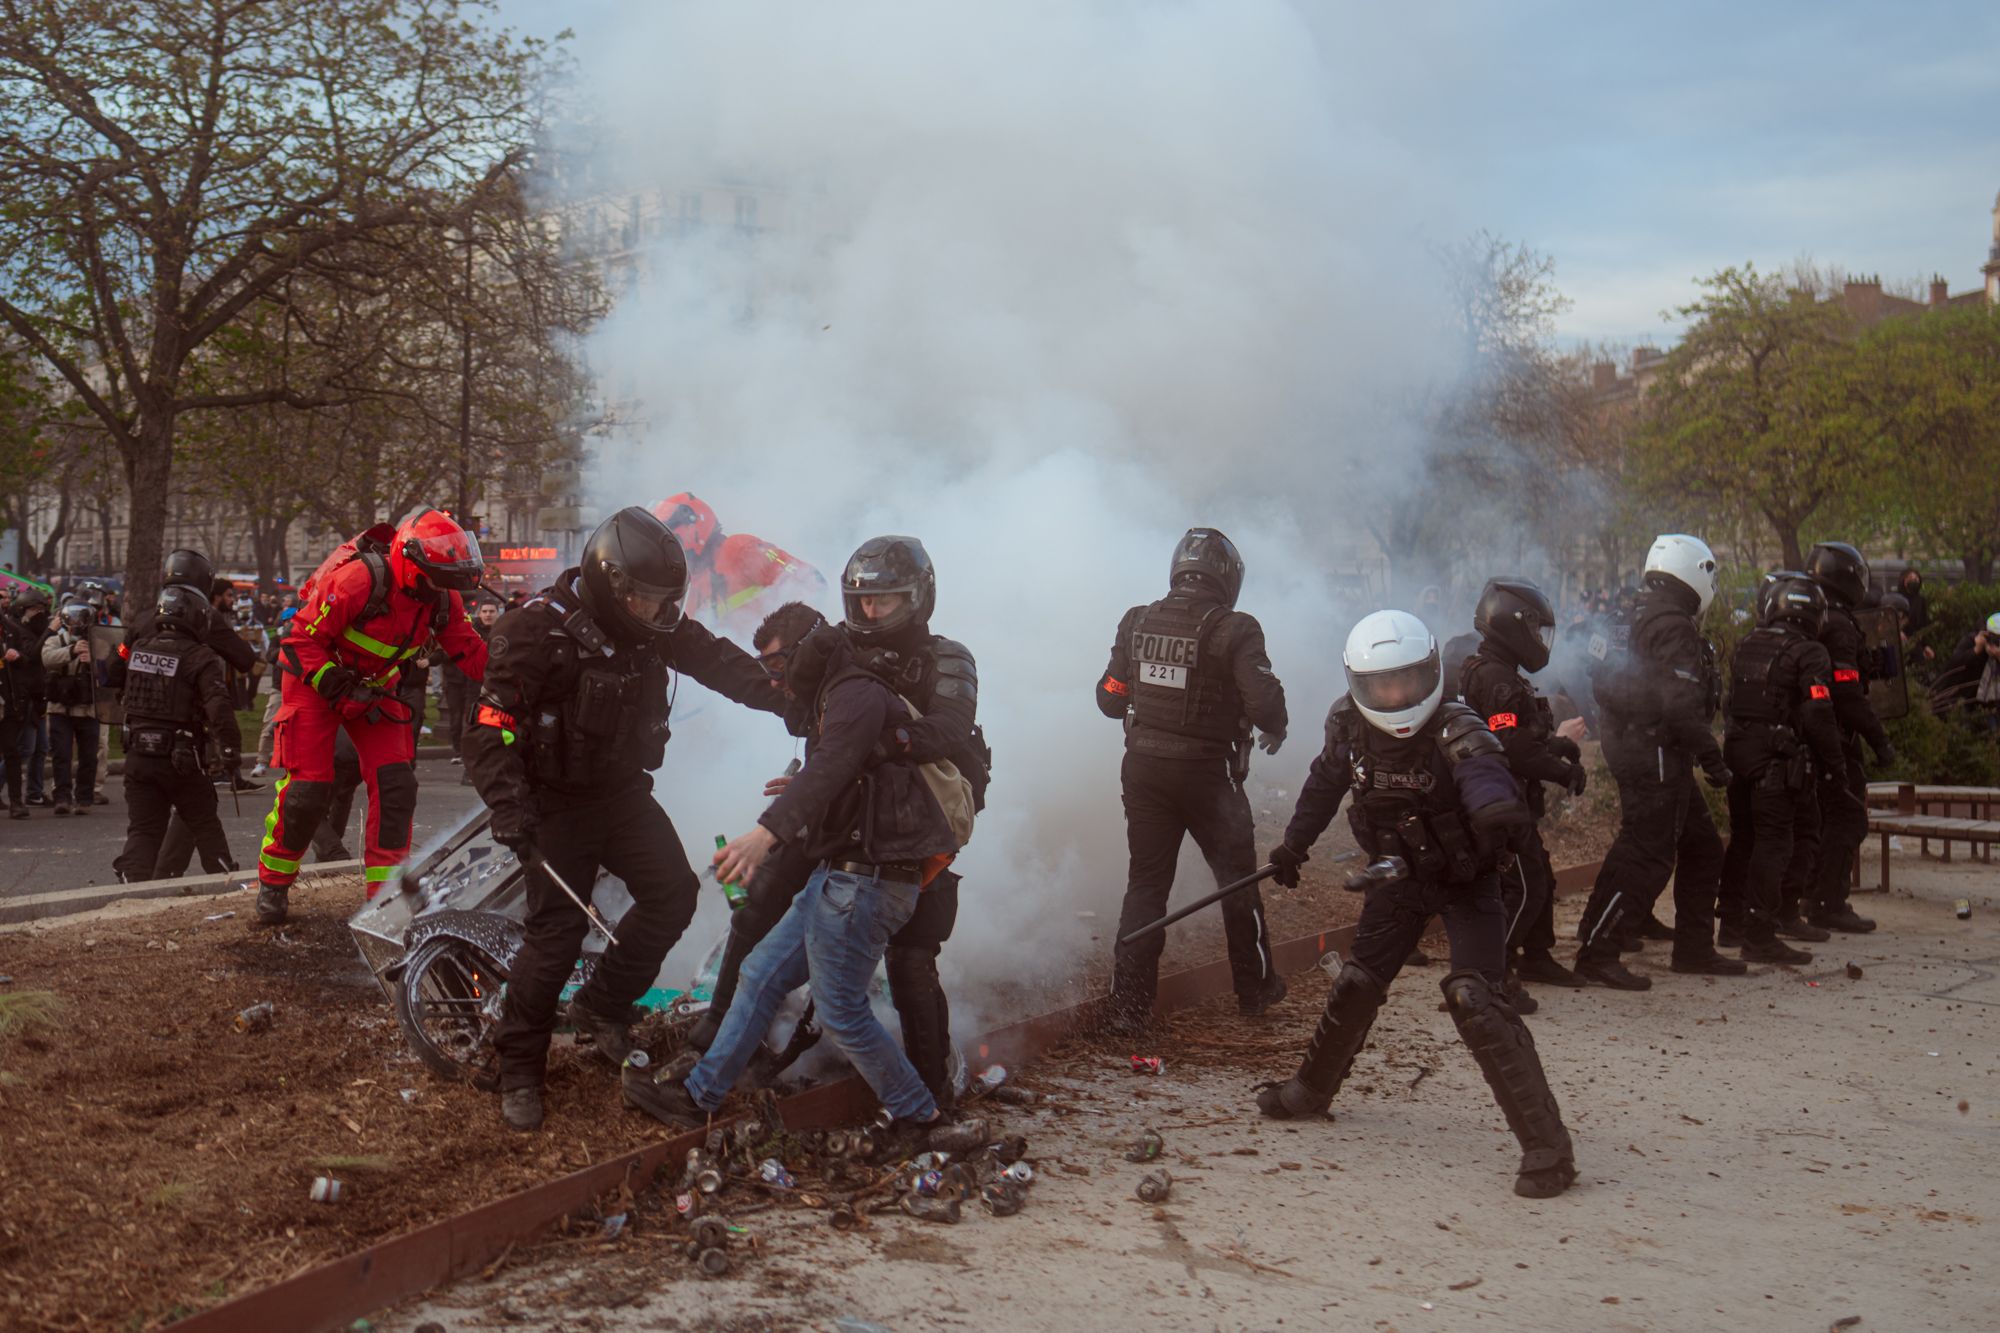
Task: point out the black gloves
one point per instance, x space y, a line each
514 829
1288 863
1715 770
1562 747
1885 756
1503 825
1579 778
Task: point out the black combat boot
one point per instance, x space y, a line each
1500 1043
1710 964
1539 965
272 904
1350 1012
1762 945
611 1035
1258 1004
521 1108
1842 918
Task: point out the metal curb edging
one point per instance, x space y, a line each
331 1295
68 902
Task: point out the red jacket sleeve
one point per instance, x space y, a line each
318 625
461 642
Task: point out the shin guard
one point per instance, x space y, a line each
1350 1012
1500 1043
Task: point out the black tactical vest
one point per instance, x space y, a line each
607 722
158 687
1177 687
1764 678
1398 805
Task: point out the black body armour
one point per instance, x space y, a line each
1482 679
157 688
1177 688
611 724
1764 677
1398 804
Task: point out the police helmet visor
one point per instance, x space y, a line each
78 616
1548 635
448 559
1396 689
654 606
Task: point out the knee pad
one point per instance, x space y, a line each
396 789
301 807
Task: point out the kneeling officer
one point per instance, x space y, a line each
1431 786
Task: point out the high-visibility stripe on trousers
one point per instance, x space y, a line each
302 745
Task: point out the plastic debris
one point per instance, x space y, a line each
966 1136
773 1172
991 1077
410 1095
257 1018
1148 1148
1329 962
219 916
1154 1187
1148 1064
613 1227
849 1324
1009 1095
325 1189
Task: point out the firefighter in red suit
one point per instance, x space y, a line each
728 575
370 608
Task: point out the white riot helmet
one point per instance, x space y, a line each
1393 671
1686 560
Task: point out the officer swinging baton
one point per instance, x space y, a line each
535 859
1192 908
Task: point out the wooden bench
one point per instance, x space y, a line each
1900 816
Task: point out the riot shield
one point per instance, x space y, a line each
1882 651
105 641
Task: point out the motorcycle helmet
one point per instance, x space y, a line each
1207 555
634 576
1841 570
880 566
185 608
1789 597
431 545
189 569
1394 674
1514 614
1678 560
691 521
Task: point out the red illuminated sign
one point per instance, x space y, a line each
528 553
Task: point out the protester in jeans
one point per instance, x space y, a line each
837 929
32 611
72 719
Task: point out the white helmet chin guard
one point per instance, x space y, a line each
1394 674
1687 559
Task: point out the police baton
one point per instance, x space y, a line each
1193 907
534 860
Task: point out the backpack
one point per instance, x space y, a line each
371 548
953 790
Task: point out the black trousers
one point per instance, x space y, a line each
1773 842
458 696
629 835
76 736
1529 891
155 791
11 726
1843 827
1664 832
1166 800
911 960
1395 916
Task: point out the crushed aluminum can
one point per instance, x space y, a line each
684 1204
928 1182
1009 1095
1020 1173
1010 1149
1148 1064
1154 1187
325 1189
930 1161
1963 909
842 1218
718 1139
747 1132
991 1077
1148 1148
1001 1199
708 1180
708 1233
860 1144
773 1172
714 1262
945 1211
257 1018
835 1143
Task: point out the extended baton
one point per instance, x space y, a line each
536 859
1194 907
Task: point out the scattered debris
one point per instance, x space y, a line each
1963 908
1423 1072
1854 971
257 1018
1154 1186
220 916
1845 1321
1467 1285
325 1189
1148 1064
1149 1147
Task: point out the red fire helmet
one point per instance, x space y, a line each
690 519
431 544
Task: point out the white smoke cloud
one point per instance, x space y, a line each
1043 284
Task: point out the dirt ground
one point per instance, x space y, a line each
1777 1151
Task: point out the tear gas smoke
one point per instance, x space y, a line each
1043 285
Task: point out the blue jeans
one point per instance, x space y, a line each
833 935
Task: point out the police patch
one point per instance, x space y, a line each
1163 659
154 664
1404 781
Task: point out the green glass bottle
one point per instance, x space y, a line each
733 892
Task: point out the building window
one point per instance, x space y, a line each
746 211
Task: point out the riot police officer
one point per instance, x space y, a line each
572 719
177 706
1430 785
1842 574
1516 626
1780 732
1190 678
937 675
1655 702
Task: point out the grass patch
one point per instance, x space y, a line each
170 1195
30 1009
354 1165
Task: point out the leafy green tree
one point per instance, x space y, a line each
1761 409
165 165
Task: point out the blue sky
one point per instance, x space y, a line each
1644 145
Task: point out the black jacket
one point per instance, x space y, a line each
230 646
1681 673
848 786
1495 689
1841 636
1236 639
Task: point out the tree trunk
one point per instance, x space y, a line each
46 558
1788 541
149 470
1978 566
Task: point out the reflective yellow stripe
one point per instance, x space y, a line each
376 646
276 863
279 864
738 599
376 874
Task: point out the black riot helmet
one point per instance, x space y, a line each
1787 597
635 576
1841 570
1207 555
31 601
881 566
185 609
1514 614
188 569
